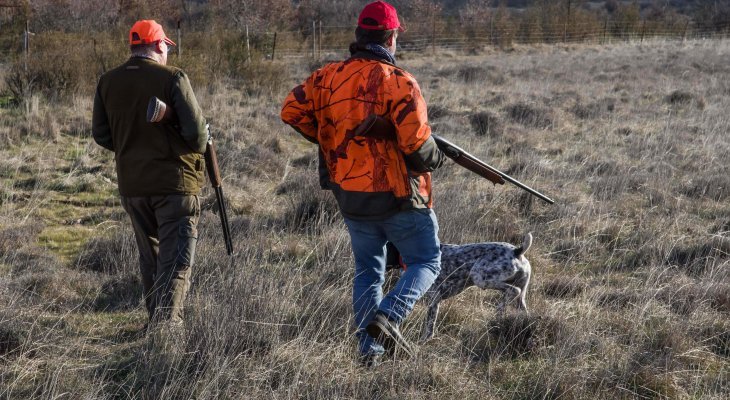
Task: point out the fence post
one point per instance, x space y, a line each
565 26
273 49
433 34
26 43
319 43
314 40
248 47
179 40
684 34
605 29
643 30
491 29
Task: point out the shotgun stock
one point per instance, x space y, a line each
158 111
377 126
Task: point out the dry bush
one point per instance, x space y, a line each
113 253
595 109
11 338
436 111
529 115
563 288
122 292
520 335
679 98
309 208
697 258
714 185
485 123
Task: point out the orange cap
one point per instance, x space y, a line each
148 31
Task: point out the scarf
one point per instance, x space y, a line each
376 50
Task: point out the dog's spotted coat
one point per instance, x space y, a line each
500 266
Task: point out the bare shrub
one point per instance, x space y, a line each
11 339
563 288
112 254
682 98
593 110
713 185
697 258
13 236
716 336
617 299
471 74
311 212
485 123
521 334
529 115
436 111
119 293
56 289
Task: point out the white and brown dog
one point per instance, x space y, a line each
500 266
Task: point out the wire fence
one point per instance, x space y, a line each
322 41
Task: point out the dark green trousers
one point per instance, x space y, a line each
165 228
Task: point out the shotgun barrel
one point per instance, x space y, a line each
473 164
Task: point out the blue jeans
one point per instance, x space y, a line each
415 234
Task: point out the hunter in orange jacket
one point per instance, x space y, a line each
370 176
381 177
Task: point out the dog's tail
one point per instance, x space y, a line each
526 243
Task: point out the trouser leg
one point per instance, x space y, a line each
368 247
415 234
144 224
177 217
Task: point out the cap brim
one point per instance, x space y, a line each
169 42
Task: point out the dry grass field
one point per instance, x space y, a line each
631 288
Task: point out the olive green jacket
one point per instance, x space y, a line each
151 159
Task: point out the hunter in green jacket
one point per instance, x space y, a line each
160 167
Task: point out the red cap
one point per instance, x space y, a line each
379 16
148 31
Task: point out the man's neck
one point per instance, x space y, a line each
145 56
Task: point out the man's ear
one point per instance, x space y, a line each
158 46
389 42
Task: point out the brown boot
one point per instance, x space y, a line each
387 333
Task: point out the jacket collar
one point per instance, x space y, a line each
360 51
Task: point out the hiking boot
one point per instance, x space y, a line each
386 332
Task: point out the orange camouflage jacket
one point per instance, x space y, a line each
371 176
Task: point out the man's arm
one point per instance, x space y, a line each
412 130
189 114
298 111
100 129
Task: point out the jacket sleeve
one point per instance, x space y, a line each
298 110
100 129
189 114
411 123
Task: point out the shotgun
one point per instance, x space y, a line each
158 111
379 127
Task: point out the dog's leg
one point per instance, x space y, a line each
509 294
523 283
429 327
